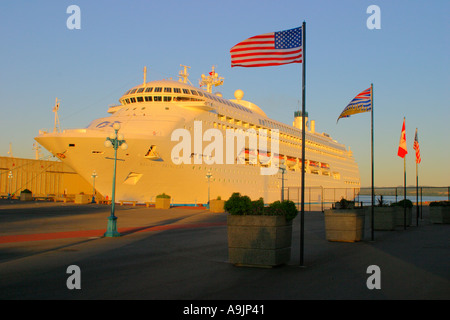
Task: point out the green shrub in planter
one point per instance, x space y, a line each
238 205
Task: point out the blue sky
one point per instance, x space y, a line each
407 60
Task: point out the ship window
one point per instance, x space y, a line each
127 92
158 89
149 89
167 99
140 99
200 93
133 100
133 91
71 144
176 90
127 100
148 98
140 90
186 91
157 98
168 90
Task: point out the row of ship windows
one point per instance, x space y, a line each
295 140
179 99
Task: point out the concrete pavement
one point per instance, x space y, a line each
181 254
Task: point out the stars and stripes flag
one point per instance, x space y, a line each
416 147
361 103
402 151
269 49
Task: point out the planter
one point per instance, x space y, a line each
439 214
399 216
216 205
162 203
345 225
384 218
82 198
26 196
258 240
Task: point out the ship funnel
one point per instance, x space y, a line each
313 126
298 120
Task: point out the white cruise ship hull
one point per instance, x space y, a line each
146 168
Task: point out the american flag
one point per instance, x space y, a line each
361 103
416 147
269 49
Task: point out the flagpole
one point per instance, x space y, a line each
417 195
404 192
373 190
302 213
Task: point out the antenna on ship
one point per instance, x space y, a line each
10 150
145 76
37 148
55 110
184 74
212 79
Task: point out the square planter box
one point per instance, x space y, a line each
399 218
440 214
82 198
384 218
26 196
162 203
259 241
345 225
216 205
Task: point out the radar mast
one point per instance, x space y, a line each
184 74
55 110
212 79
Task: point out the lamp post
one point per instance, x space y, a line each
94 175
10 176
115 140
208 175
283 170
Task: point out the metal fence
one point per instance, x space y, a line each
319 198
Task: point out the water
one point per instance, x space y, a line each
367 199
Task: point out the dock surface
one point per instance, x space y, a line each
182 254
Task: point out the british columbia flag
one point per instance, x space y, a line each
361 103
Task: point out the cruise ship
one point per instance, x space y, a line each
157 117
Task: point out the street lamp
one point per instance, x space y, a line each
10 176
283 170
115 140
208 175
94 175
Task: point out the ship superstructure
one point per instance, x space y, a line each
151 112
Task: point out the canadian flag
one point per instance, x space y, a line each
402 146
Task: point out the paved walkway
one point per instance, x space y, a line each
181 254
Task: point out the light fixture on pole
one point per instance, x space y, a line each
208 175
115 140
94 175
283 170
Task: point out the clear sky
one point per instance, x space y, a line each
407 60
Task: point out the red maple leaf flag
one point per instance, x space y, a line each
402 146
